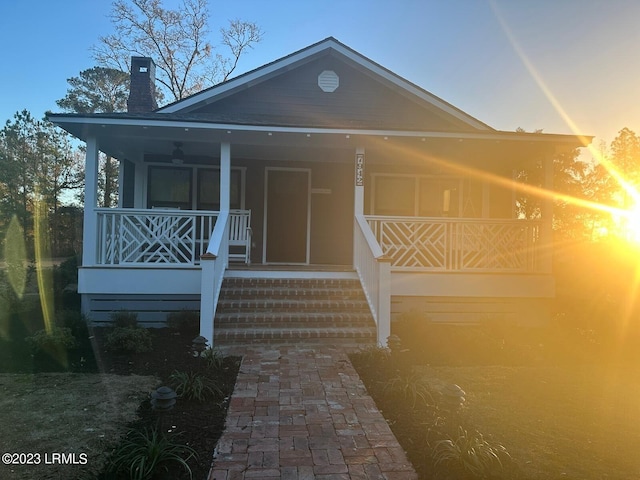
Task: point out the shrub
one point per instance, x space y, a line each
194 386
142 453
468 455
74 321
59 338
129 339
125 319
184 321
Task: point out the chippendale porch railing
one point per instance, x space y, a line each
458 244
128 236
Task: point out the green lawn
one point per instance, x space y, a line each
570 422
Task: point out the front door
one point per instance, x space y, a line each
287 215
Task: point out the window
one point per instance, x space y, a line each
439 197
209 189
423 196
394 195
169 187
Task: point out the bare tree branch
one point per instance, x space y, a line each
178 42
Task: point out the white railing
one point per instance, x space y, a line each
374 271
213 263
161 237
458 244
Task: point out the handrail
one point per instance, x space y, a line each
213 263
374 271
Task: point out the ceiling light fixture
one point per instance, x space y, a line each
177 157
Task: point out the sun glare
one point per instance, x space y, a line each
631 224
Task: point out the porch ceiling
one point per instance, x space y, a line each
132 139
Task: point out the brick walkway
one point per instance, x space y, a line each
303 413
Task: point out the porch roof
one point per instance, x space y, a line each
130 136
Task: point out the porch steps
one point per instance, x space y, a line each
285 311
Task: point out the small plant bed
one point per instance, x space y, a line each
429 420
560 413
191 428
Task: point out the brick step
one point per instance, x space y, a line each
288 311
260 319
304 283
299 305
290 293
280 335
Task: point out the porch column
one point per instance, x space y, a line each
225 176
359 182
90 228
545 249
139 177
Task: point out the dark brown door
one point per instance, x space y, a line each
287 219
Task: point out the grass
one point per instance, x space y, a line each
565 422
564 405
66 413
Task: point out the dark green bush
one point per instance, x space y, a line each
129 339
59 338
75 321
124 319
184 321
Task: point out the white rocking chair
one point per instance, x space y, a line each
240 236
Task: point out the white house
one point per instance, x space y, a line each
337 168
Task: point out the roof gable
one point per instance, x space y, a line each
287 92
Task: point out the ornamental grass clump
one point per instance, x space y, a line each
194 386
213 358
408 387
142 454
468 455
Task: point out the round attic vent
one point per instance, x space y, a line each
328 81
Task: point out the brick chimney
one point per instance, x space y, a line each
142 92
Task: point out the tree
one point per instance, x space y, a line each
38 166
625 158
177 40
100 90
571 217
97 89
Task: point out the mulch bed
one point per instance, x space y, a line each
197 424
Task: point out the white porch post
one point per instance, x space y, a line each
545 249
225 176
139 179
90 228
358 195
359 182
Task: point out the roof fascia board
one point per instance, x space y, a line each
490 135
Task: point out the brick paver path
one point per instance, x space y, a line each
303 413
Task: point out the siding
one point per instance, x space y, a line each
360 101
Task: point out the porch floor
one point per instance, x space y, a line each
302 413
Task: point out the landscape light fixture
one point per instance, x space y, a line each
198 345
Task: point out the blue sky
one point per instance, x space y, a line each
558 65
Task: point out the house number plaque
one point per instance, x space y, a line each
360 170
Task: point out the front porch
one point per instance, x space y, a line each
180 260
